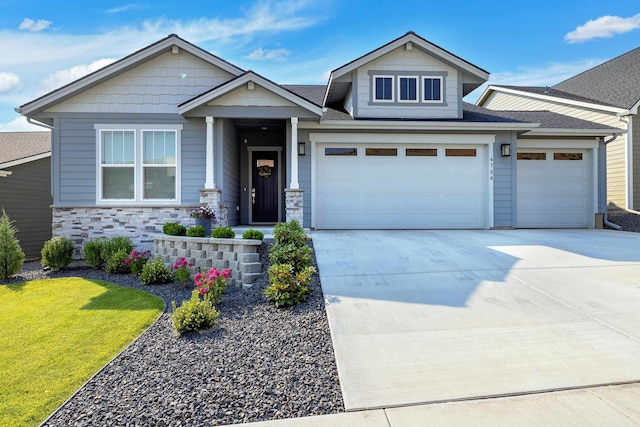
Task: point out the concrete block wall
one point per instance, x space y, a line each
241 256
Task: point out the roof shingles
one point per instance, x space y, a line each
22 145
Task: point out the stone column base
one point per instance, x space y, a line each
294 205
213 197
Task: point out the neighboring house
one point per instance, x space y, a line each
25 187
387 143
608 94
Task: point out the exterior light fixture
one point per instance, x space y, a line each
301 148
505 150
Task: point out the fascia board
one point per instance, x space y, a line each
573 132
25 160
433 126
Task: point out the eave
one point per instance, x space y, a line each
417 125
25 160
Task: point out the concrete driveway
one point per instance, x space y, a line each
430 316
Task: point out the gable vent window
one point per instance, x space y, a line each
384 88
432 89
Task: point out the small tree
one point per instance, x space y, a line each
11 255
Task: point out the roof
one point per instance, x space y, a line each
22 147
554 92
313 93
614 82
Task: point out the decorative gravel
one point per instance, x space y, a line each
628 221
259 363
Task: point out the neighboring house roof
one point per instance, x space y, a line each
127 63
336 90
313 93
614 82
22 147
553 92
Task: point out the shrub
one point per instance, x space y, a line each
174 229
212 284
223 233
181 272
11 254
137 260
287 288
253 234
155 272
196 231
298 257
92 253
194 315
117 263
291 232
114 245
57 253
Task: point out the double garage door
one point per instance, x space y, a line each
554 188
380 186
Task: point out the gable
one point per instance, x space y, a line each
258 96
155 86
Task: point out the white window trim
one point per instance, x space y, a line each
138 164
409 101
422 86
393 88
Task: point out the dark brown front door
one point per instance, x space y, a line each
264 194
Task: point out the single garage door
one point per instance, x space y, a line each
392 186
553 188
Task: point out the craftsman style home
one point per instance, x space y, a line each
387 143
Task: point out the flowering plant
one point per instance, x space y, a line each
136 261
181 271
212 284
204 212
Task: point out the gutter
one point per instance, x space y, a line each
33 122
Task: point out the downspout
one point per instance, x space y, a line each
606 211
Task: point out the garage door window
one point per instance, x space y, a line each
532 156
335 151
422 152
460 152
567 156
381 152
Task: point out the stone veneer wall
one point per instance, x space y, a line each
238 255
294 205
141 224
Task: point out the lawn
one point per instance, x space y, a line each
57 333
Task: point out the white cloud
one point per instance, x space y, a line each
29 24
9 82
277 55
603 27
125 8
19 124
62 77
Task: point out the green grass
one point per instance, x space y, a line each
56 333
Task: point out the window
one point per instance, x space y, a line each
460 152
334 151
422 152
567 156
381 152
139 164
408 88
532 156
384 88
432 89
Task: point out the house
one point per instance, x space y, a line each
387 143
608 94
25 187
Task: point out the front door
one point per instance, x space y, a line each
264 191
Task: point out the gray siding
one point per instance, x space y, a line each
504 177
26 197
230 172
304 177
75 140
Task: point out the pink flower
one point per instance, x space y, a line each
226 273
204 291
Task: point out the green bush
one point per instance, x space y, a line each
117 263
92 253
57 253
223 233
297 257
287 288
196 231
155 272
11 254
194 315
174 229
291 232
253 234
114 245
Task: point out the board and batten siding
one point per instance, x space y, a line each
231 171
304 176
616 164
75 171
26 197
504 182
411 61
157 86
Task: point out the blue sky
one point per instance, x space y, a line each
47 44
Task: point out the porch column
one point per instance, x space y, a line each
210 180
294 185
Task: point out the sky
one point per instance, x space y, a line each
45 44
